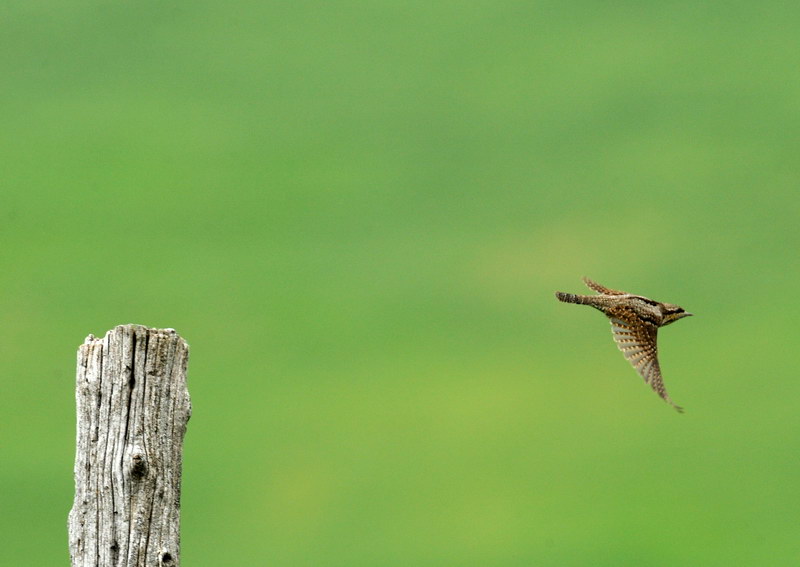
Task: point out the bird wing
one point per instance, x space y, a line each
601 288
637 341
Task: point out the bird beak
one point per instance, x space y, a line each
688 314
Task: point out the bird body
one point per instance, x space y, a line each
635 321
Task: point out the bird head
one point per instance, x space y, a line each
672 313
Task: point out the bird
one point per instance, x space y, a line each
635 321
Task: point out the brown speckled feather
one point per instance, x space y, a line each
637 341
600 288
635 321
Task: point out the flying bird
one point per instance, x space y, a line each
634 322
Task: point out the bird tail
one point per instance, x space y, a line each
572 298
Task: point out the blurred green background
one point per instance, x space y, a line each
357 213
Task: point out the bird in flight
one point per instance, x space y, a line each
634 322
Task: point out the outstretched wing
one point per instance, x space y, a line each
601 289
637 341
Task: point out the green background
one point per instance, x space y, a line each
357 213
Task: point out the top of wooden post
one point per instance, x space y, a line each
133 406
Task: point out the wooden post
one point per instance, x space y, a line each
133 406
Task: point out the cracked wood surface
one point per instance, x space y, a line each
133 406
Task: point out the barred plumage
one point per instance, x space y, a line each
568 297
635 320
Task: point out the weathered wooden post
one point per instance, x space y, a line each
133 406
